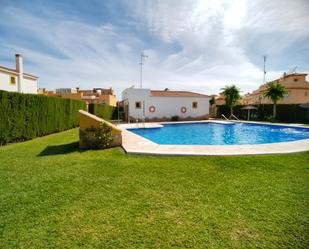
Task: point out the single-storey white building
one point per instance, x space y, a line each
153 104
15 80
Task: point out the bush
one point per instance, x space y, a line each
174 118
98 138
25 116
105 111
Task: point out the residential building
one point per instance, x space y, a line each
150 104
220 99
15 80
297 91
102 95
96 95
46 92
66 90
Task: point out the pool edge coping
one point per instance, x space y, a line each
135 144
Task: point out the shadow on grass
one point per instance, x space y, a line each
60 149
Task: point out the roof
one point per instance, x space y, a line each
109 91
13 71
295 74
158 93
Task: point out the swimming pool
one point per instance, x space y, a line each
211 133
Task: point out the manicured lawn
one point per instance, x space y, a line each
54 196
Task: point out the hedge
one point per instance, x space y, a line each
25 116
285 113
105 111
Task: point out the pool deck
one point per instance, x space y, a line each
135 144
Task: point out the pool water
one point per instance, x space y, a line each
210 133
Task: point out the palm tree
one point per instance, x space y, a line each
212 109
231 96
212 100
274 91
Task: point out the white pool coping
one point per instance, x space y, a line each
135 144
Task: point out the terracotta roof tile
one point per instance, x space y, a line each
157 93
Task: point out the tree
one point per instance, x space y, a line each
231 96
212 100
274 91
212 109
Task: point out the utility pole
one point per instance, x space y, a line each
264 73
143 56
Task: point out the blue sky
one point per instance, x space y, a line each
192 45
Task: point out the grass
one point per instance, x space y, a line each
54 196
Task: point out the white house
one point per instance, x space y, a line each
152 104
15 80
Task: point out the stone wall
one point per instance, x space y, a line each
86 121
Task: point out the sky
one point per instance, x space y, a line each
194 45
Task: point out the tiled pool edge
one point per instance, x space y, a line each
135 144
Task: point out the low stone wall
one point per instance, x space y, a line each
88 120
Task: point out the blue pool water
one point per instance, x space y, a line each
221 134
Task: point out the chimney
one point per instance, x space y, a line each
20 71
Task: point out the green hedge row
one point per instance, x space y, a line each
105 111
285 113
25 116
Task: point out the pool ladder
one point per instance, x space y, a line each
142 124
234 117
222 115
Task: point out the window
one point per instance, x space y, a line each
194 105
138 104
295 80
12 80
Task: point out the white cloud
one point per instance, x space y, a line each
217 43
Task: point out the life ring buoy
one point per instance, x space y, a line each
183 109
152 109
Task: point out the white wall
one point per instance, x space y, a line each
5 83
165 106
28 86
171 106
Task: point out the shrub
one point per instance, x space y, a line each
98 138
174 118
25 116
105 111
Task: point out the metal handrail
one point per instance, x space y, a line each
222 115
136 121
143 121
234 117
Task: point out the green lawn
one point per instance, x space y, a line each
54 196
